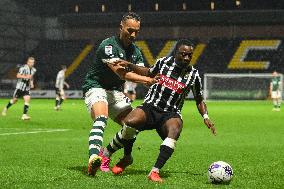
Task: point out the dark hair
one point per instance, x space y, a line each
63 67
131 15
182 42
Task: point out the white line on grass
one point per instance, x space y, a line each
34 132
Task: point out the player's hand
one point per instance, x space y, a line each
210 126
157 77
150 81
153 80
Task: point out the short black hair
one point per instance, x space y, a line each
63 67
182 42
131 15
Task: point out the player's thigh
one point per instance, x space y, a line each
15 99
26 96
120 118
97 102
119 105
98 109
172 128
57 93
273 94
137 118
276 94
17 94
62 94
279 96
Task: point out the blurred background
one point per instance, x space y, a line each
230 36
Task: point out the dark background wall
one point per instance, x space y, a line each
56 32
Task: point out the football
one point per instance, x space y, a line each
220 172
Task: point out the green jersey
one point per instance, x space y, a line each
275 83
100 75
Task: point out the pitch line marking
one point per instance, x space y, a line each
34 132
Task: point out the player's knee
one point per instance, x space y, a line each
133 123
128 132
129 122
27 98
120 118
175 131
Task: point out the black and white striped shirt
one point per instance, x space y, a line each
24 84
60 79
174 85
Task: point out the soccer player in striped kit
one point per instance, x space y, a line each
275 91
59 87
162 106
23 86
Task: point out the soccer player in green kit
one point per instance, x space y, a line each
103 86
275 91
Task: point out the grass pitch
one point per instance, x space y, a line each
51 150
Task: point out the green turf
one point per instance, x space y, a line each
250 138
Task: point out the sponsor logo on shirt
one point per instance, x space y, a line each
172 84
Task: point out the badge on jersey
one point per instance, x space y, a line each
108 50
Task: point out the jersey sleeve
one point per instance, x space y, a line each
60 75
107 52
21 70
34 71
197 87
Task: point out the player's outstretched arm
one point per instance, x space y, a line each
66 84
32 84
23 76
140 70
121 70
202 108
134 77
210 126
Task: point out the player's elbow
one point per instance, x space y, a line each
122 76
198 100
121 73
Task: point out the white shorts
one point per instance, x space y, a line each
116 100
276 94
